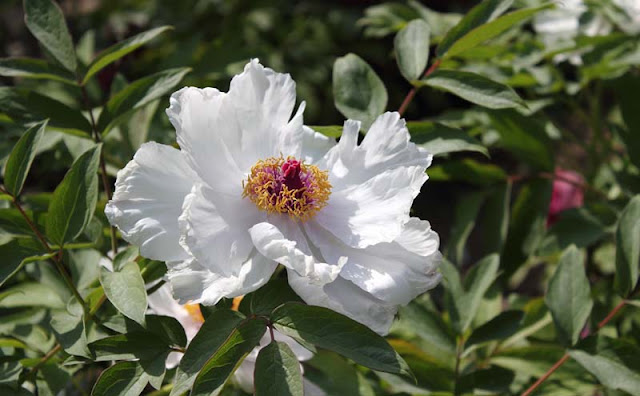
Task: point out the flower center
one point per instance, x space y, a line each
194 311
279 185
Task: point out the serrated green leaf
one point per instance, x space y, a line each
328 329
474 88
440 139
358 92
123 378
137 94
569 296
492 29
278 371
628 248
217 327
34 68
45 21
21 157
18 252
484 12
74 200
227 357
121 49
125 289
412 49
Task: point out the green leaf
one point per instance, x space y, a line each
625 91
616 365
121 49
467 301
526 137
125 289
428 325
502 326
21 157
133 345
465 214
479 15
334 375
26 106
30 294
628 247
412 49
494 219
228 356
575 226
123 378
74 200
569 296
69 329
45 21
34 68
137 94
328 329
474 88
125 256
440 139
278 371
528 223
469 171
168 329
212 335
268 297
492 29
358 92
18 252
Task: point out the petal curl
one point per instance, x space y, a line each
293 252
193 283
214 229
148 199
393 272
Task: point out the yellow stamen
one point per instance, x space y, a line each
266 189
194 312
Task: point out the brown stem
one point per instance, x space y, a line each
43 360
564 358
411 94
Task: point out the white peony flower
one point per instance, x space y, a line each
252 187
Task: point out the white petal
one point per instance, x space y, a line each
386 146
311 389
314 145
348 299
374 211
148 199
214 229
393 272
161 302
263 101
374 183
243 375
208 136
193 283
293 251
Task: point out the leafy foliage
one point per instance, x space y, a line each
534 189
